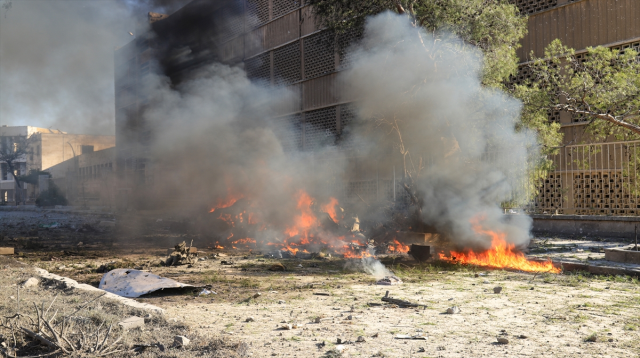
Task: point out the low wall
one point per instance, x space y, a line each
586 225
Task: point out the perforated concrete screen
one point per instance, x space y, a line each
257 12
289 131
286 64
320 128
319 58
282 7
259 68
344 40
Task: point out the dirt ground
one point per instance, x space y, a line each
540 314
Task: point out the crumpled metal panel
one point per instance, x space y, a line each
135 283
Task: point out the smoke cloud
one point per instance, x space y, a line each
464 135
214 140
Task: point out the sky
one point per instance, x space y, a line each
56 60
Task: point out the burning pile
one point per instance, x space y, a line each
501 254
317 227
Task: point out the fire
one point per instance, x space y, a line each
500 255
397 246
330 209
306 219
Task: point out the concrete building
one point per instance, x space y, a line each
47 147
279 42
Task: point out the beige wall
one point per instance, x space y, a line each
56 148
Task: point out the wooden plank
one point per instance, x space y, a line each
7 251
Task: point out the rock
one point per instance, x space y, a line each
610 339
339 341
497 289
287 327
503 340
592 338
32 282
522 336
181 341
360 339
282 302
250 319
147 318
453 310
318 320
349 317
485 281
131 322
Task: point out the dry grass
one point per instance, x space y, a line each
83 317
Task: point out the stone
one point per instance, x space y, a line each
250 319
131 322
282 302
32 282
453 310
485 281
503 340
147 318
360 339
181 341
497 289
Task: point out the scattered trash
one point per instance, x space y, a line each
497 289
205 292
182 255
453 310
400 303
389 281
224 262
135 283
406 336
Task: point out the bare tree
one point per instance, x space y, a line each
13 152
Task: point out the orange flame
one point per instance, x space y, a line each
397 246
501 254
306 219
330 209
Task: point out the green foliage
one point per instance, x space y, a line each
32 177
51 197
493 26
601 86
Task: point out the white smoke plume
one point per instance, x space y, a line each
464 134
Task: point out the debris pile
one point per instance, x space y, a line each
182 255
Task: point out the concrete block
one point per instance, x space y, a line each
6 251
622 254
131 322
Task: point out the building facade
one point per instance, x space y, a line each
47 148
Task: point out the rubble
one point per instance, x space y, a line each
502 340
389 281
453 310
182 255
497 289
181 341
400 303
406 336
131 322
31 282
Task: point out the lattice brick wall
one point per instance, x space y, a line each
319 58
345 40
286 64
550 197
257 12
603 192
289 130
282 7
532 6
230 23
320 128
259 68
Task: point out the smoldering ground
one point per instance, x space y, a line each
216 137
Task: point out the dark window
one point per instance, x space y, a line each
3 168
84 149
